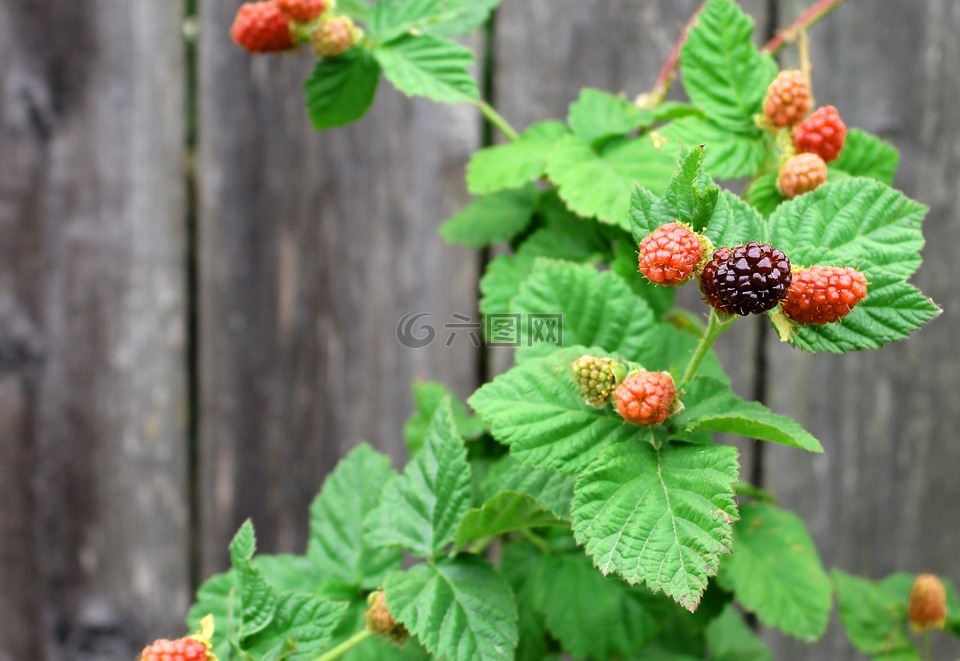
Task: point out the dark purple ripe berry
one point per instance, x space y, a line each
747 279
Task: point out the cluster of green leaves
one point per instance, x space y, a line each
409 43
614 541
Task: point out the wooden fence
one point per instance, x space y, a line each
193 332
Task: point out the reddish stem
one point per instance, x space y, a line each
816 11
668 72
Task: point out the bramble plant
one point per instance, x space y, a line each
587 509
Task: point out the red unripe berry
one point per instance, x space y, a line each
671 254
822 133
824 294
801 174
302 10
927 608
183 649
646 398
788 99
260 27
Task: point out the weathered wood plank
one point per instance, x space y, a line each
92 328
313 248
882 498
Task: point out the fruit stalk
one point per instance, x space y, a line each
345 646
811 16
497 120
715 327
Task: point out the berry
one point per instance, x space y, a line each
334 37
260 27
183 649
801 174
822 133
672 254
824 294
646 398
788 99
927 608
747 279
380 621
597 377
302 10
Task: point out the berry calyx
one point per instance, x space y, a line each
182 649
822 133
335 36
260 27
747 279
927 607
597 377
302 10
824 294
380 621
672 254
801 174
646 398
788 99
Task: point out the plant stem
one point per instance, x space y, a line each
345 646
806 20
539 542
497 120
715 326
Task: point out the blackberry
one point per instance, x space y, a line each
747 279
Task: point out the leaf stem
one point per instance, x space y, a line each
539 542
497 120
807 19
715 326
345 646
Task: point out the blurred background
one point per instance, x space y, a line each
199 294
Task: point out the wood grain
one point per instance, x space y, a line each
92 328
883 496
313 248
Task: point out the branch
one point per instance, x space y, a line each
806 20
668 73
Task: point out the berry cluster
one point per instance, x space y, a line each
271 26
816 140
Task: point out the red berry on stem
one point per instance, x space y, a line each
334 37
671 254
302 10
747 279
646 398
183 649
927 607
824 294
822 133
260 27
801 174
788 99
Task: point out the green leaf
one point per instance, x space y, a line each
491 219
307 621
472 15
459 609
775 572
535 408
516 163
855 222
891 311
734 222
730 639
728 154
391 18
505 512
341 89
217 596
865 155
553 491
597 114
596 308
421 509
356 9
591 615
338 546
519 566
427 398
258 600
691 197
874 615
429 66
660 517
598 184
723 72
764 195
711 405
